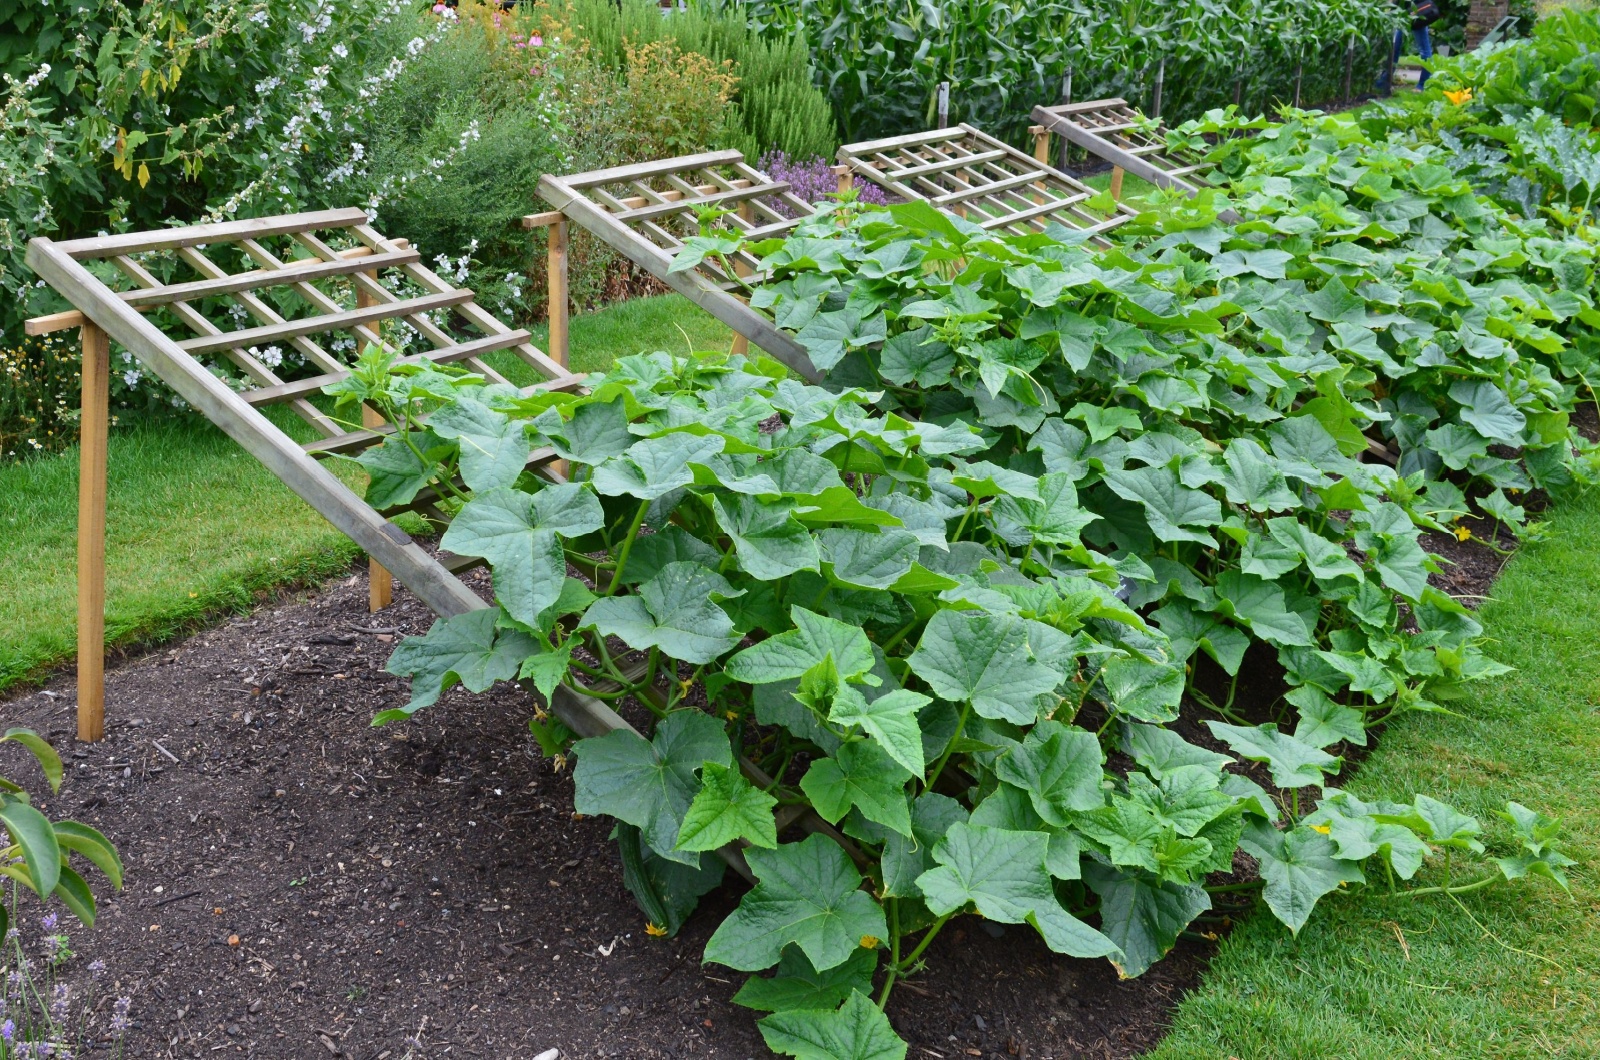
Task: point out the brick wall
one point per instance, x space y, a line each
1481 18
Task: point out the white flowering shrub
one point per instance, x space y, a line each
123 116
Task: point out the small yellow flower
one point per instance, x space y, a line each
1459 96
655 931
1462 533
1324 829
870 942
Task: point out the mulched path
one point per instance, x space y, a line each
301 884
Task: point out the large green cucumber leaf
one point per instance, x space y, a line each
857 1031
675 611
727 807
1059 768
465 648
798 986
1299 867
807 894
494 447
890 719
793 653
1002 874
983 659
864 775
650 784
1142 915
520 535
770 541
1293 762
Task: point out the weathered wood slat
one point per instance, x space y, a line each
976 190
241 357
272 395
692 285
473 314
687 203
220 232
257 278
440 590
1071 123
945 165
325 322
623 174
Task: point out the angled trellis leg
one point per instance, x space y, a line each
94 422
380 583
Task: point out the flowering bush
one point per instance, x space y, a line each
813 179
140 114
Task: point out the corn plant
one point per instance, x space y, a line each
881 62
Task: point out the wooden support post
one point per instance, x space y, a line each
94 422
1161 84
944 104
1299 69
557 309
741 345
845 178
1116 183
380 583
1041 153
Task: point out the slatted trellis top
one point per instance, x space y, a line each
1111 130
965 171
646 211
258 291
310 284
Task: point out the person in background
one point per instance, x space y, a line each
1423 14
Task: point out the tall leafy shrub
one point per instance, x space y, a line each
136 115
775 103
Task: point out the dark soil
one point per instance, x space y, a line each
301 884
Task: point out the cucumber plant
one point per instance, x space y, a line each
913 644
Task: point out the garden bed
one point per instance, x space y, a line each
429 882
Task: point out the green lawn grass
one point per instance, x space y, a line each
1511 972
196 527
1133 188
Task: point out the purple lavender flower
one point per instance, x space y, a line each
8 1030
60 1000
119 1014
813 179
49 922
97 968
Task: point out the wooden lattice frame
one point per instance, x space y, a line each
132 317
645 211
1111 130
965 171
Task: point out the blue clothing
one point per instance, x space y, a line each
1424 44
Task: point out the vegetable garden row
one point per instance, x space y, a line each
959 614
881 63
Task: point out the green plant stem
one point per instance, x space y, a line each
911 960
627 547
894 953
1465 888
961 726
1230 888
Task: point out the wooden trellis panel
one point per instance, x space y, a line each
179 301
646 211
1112 130
965 171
